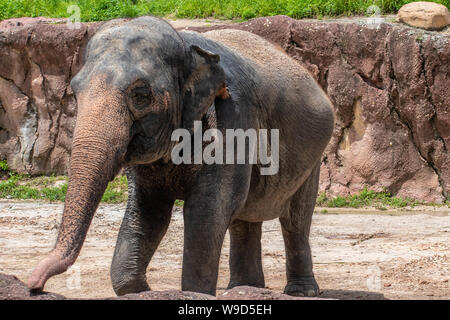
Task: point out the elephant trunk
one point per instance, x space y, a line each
99 146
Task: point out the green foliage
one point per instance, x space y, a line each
54 193
366 197
19 186
54 188
116 191
96 10
321 199
4 166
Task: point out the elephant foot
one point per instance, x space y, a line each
256 284
130 286
302 287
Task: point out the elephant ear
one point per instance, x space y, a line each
204 81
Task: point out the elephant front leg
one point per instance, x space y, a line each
202 246
245 254
295 226
144 224
208 211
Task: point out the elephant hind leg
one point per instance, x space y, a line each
144 224
245 254
295 225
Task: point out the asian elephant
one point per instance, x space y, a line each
142 80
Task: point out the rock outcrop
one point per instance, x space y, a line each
388 82
37 105
12 288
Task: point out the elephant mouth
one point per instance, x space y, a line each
147 144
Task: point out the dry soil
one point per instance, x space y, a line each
358 254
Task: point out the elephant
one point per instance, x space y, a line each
142 80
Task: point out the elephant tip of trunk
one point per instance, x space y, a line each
35 285
37 280
48 267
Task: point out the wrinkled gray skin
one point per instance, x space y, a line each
142 80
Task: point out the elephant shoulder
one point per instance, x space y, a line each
268 56
236 66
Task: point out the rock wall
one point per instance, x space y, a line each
37 106
389 84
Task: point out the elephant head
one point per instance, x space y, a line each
140 81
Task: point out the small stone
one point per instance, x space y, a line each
59 183
425 15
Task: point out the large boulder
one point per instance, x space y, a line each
388 83
425 15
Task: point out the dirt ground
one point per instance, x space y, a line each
358 254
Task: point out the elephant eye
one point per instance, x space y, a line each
141 97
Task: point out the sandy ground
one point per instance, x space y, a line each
358 254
